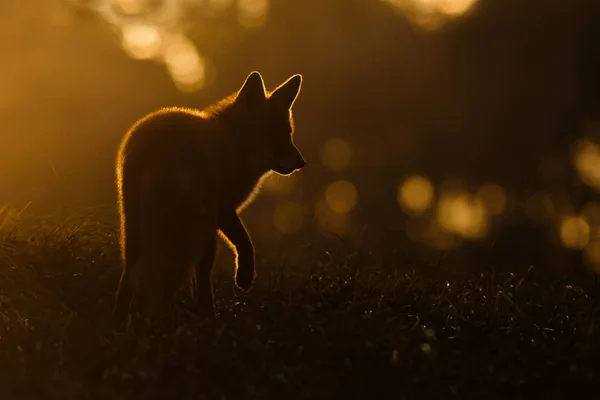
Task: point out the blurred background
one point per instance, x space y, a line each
430 127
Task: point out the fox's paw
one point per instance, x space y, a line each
244 279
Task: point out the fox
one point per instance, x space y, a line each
183 176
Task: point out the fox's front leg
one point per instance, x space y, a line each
235 231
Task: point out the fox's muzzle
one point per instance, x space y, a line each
300 163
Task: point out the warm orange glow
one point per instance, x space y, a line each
587 163
158 32
341 196
452 7
416 194
141 41
430 14
186 66
220 5
574 232
493 197
252 13
463 214
288 217
336 154
130 7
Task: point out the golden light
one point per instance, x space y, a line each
336 154
416 194
141 41
463 214
220 5
587 163
186 66
163 37
278 184
341 196
453 7
130 7
329 221
494 198
252 13
575 232
288 217
431 14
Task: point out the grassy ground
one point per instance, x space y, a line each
341 328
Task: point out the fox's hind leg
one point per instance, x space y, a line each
130 256
202 276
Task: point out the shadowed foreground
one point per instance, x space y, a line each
337 328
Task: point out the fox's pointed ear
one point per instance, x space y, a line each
253 90
287 92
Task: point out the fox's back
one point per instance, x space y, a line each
184 151
168 138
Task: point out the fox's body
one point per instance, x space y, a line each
183 175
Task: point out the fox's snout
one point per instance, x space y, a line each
300 163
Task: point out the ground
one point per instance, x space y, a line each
342 327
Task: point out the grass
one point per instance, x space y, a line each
340 328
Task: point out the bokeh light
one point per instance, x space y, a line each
494 198
431 14
288 217
452 7
587 162
462 214
141 41
416 194
252 13
336 154
341 196
129 7
220 5
186 66
574 232
156 31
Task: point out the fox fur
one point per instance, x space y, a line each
183 176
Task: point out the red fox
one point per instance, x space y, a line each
183 175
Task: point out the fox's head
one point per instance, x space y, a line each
265 125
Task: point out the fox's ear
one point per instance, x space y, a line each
253 90
287 92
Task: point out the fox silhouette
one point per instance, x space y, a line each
183 176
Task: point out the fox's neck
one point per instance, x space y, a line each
238 175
